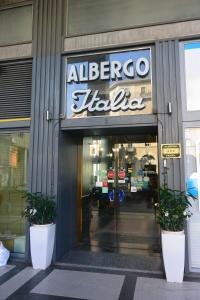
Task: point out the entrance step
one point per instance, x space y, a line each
114 260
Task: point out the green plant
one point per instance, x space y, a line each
40 209
172 209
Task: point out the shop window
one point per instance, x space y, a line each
16 25
9 2
14 149
192 136
192 167
192 75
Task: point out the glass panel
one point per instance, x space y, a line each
120 175
9 2
16 25
14 148
192 75
192 136
109 84
107 15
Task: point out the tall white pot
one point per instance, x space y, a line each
42 243
173 249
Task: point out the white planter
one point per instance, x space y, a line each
173 249
42 243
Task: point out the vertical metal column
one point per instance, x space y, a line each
44 136
47 38
169 124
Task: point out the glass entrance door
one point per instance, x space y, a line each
119 179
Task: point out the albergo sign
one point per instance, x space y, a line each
107 83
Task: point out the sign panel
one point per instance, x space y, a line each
171 150
121 174
110 174
109 84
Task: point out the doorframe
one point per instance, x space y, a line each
79 190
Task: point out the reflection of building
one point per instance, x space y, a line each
136 89
13 183
106 89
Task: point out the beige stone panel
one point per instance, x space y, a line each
15 51
133 36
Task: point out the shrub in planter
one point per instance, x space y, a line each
40 209
40 212
171 211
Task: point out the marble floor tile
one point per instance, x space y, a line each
15 282
160 289
5 269
81 285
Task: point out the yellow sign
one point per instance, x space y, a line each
171 150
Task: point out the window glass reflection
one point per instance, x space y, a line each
14 148
109 84
119 183
192 136
16 25
192 75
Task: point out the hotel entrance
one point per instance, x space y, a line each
119 181
110 107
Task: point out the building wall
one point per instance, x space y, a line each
48 48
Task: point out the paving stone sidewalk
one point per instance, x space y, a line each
70 281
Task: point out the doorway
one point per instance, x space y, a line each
119 181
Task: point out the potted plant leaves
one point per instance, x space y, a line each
40 212
172 210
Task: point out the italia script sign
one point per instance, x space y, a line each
120 101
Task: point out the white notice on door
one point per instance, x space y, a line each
133 189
